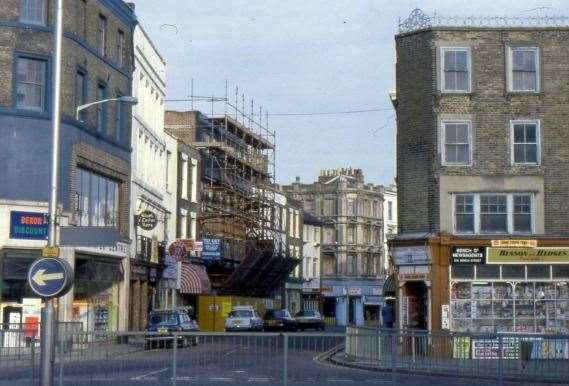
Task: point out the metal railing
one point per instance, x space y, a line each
528 357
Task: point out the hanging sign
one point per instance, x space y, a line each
147 220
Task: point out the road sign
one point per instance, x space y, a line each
177 250
50 277
50 252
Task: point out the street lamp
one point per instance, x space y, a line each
123 99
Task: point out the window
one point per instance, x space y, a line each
183 225
194 180
350 207
119 119
309 206
457 139
168 160
97 199
525 142
184 177
390 210
351 265
31 84
120 48
351 234
81 93
81 17
523 69
329 207
193 225
314 267
464 213
33 12
522 213
101 108
493 213
102 35
455 69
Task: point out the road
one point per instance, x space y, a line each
224 360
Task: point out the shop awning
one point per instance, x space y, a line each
193 279
389 287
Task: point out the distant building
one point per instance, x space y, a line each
352 246
311 262
389 221
482 175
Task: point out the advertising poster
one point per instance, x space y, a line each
461 347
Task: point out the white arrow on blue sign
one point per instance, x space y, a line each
50 277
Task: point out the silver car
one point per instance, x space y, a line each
243 318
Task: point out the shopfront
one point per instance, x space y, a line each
351 302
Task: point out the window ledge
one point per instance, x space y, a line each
523 93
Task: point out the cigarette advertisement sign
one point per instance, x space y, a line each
540 255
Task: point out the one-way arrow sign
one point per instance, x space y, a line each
50 277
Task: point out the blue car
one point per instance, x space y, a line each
163 325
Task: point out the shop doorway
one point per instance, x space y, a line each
352 310
414 307
329 311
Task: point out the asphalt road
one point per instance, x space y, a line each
217 360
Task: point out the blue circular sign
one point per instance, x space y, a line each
50 277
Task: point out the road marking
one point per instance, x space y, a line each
375 381
339 380
187 379
239 371
221 379
145 376
230 352
259 379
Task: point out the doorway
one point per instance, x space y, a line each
415 306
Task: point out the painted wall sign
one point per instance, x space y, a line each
468 255
147 220
514 243
28 225
549 255
211 249
410 255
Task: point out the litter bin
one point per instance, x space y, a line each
526 349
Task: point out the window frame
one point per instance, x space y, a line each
537 123
46 105
23 20
121 47
442 84
443 124
510 68
101 108
85 92
102 31
509 212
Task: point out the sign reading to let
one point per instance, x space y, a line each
549 255
514 243
28 225
468 255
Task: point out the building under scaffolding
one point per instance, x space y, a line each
237 196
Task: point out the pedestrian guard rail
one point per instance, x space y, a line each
499 356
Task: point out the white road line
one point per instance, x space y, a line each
339 380
221 379
239 371
145 376
259 379
376 381
230 352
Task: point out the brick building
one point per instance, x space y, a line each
482 175
94 160
352 242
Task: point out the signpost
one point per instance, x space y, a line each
50 277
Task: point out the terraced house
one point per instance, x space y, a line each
94 159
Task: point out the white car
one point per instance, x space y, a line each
243 318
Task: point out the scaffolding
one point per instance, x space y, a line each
238 189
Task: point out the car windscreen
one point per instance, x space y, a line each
306 313
166 318
240 314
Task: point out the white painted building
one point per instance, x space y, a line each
312 262
389 220
152 190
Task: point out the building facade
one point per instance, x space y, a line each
352 246
94 158
481 177
389 222
311 262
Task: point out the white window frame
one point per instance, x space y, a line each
510 68
443 124
442 51
538 139
194 180
509 209
34 22
184 173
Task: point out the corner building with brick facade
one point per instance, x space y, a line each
94 174
482 177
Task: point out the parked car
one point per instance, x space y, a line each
243 318
310 319
163 325
279 320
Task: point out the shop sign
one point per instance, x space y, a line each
211 249
490 348
410 255
354 291
177 250
445 317
50 277
549 255
468 255
189 243
414 276
147 220
461 347
198 246
514 243
28 225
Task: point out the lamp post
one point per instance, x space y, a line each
123 99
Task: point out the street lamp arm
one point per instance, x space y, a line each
125 99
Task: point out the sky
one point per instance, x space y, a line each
304 57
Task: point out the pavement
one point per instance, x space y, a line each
233 360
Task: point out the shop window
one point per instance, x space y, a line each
97 199
462 271
538 271
513 272
560 271
487 271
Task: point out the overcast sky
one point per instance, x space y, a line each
304 56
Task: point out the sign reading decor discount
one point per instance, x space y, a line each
28 225
468 255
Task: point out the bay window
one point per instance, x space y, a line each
97 199
493 213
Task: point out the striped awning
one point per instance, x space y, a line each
193 279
